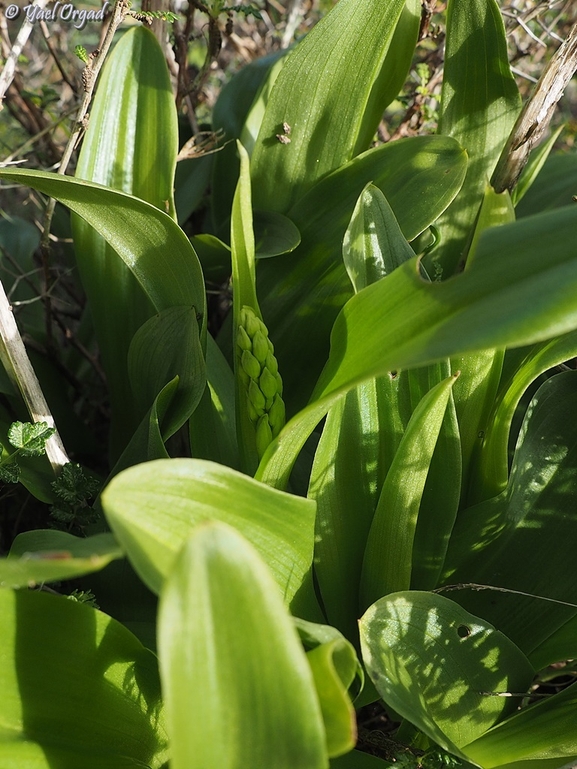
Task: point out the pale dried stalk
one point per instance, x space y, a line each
18 367
536 114
9 70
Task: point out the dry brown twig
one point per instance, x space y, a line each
536 114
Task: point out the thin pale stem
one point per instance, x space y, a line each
536 114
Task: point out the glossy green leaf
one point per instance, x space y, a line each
419 177
358 760
546 730
553 188
476 388
373 245
509 296
130 145
168 346
537 160
227 641
153 246
152 508
275 234
361 433
78 689
50 555
479 105
214 256
212 429
524 539
491 470
443 692
190 184
229 115
440 498
334 666
147 443
331 97
388 557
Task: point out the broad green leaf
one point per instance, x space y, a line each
476 388
78 689
445 691
373 245
227 644
50 556
334 667
168 346
510 296
229 116
214 256
152 508
479 105
546 730
388 558
130 145
537 160
491 468
419 177
147 443
152 245
212 429
190 184
524 539
331 92
553 188
361 433
358 760
440 498
275 234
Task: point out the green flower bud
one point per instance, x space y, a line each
268 384
249 321
263 435
276 416
250 364
243 339
271 363
256 397
260 346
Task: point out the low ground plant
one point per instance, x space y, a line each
353 498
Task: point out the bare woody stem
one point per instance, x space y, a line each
536 114
18 367
12 351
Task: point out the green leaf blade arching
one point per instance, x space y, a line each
146 239
51 556
330 97
532 522
165 346
543 732
442 692
226 640
418 177
130 145
388 559
510 296
70 675
152 508
479 105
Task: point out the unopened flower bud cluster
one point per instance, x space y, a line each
258 371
